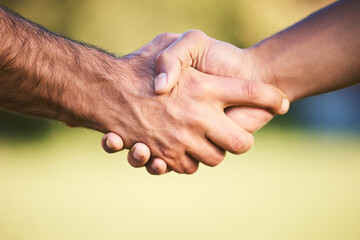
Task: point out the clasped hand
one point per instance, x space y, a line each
210 98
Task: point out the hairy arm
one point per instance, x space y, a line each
47 75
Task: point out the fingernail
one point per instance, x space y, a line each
285 105
108 143
155 167
136 155
161 81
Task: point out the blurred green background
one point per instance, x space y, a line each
300 181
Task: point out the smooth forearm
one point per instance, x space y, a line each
317 55
46 75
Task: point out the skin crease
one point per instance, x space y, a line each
81 85
322 54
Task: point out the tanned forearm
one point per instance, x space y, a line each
46 75
317 55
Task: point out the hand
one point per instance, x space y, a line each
221 59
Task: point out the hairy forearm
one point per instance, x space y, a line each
319 54
46 75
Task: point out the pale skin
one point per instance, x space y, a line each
46 75
318 54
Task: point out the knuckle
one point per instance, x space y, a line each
196 120
162 56
191 169
203 87
165 58
164 40
250 89
165 36
184 165
199 89
178 168
179 136
170 153
194 33
179 171
216 160
237 145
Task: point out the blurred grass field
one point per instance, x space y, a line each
291 185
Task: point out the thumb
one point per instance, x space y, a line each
184 52
168 68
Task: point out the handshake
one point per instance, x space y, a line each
208 97
180 100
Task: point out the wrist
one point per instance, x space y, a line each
266 69
259 67
46 75
109 92
93 91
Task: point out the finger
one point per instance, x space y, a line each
206 152
249 118
229 136
139 155
184 52
249 93
157 166
111 142
184 164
